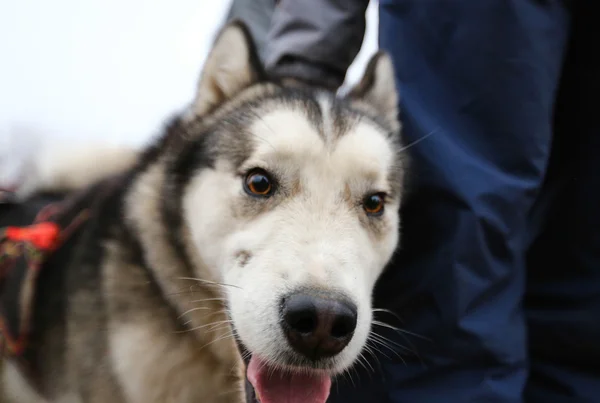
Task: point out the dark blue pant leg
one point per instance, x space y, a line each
563 297
481 76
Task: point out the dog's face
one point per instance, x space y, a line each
297 213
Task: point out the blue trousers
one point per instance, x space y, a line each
499 267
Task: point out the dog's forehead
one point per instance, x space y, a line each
339 137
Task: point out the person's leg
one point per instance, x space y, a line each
563 297
479 78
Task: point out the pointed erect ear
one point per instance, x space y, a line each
378 87
232 65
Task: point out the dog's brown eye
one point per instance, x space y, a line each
258 183
373 204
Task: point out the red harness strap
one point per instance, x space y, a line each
43 236
23 252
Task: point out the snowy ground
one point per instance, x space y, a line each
104 71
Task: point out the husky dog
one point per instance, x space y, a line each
243 245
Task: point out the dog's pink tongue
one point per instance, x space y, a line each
274 386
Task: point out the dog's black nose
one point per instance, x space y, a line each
318 327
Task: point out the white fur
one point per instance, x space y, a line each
16 387
314 239
175 362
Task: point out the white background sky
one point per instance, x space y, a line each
105 71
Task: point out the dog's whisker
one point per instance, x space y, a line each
211 313
403 333
225 337
375 357
417 141
391 342
354 370
219 327
367 362
208 282
379 343
369 350
382 343
375 349
394 314
364 362
230 391
180 293
206 300
397 329
347 376
349 373
188 322
202 326
195 289
360 361
199 308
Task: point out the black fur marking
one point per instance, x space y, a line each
304 100
192 158
137 258
109 224
343 118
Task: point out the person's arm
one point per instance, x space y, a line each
315 41
257 15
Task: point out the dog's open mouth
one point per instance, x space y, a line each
268 384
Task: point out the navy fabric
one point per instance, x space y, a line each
499 269
563 294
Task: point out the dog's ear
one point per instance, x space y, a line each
232 65
378 86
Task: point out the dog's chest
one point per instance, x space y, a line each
155 366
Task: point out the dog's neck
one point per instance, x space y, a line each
178 270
